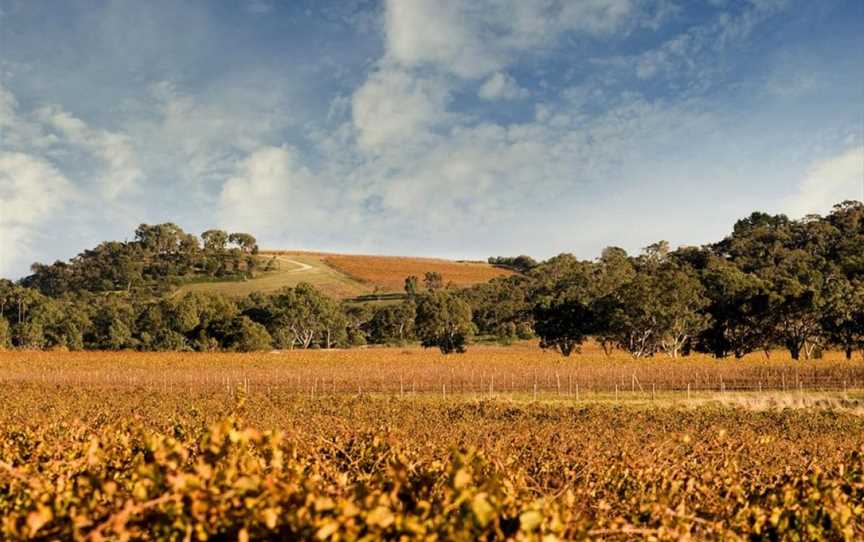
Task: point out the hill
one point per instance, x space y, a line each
347 275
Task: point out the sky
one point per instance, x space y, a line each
454 128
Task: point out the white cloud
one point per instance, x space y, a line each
17 131
501 86
393 105
269 191
31 190
52 131
195 140
828 182
420 163
419 32
692 55
474 38
120 171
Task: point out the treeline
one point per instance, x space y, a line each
160 256
773 282
522 263
299 317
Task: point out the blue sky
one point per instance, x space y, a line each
460 128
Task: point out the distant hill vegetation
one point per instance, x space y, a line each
771 283
159 257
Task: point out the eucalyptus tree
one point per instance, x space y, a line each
842 319
444 320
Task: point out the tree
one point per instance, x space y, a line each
683 302
393 324
357 316
411 285
444 320
564 290
205 320
304 317
563 324
660 309
501 307
740 310
433 280
245 242
522 264
161 238
112 323
796 284
215 241
29 335
847 250
842 319
5 333
248 336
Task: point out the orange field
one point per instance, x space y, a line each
349 275
407 444
522 371
389 272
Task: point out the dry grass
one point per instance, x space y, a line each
345 276
290 274
388 273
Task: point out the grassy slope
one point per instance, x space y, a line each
345 276
323 277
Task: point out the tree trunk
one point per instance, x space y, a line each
607 347
848 352
795 351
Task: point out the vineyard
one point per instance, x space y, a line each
388 272
498 444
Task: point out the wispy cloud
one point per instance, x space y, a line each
828 182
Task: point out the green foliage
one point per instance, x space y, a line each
433 280
411 285
444 321
501 304
563 324
5 334
842 320
661 309
772 282
392 324
522 264
160 256
301 317
564 292
248 336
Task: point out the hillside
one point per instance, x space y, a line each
388 272
346 275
